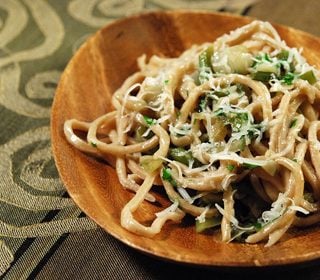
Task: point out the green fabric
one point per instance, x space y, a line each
37 39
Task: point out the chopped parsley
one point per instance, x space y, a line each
293 123
236 117
230 167
149 121
288 78
93 144
242 125
266 68
166 176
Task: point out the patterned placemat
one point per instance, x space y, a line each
42 232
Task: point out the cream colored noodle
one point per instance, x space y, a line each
229 130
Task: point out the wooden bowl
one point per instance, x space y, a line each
84 93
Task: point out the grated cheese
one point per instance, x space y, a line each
172 208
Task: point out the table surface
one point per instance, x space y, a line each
43 234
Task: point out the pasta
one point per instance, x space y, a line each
229 129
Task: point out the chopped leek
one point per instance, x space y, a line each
262 76
221 93
283 55
239 59
183 156
309 76
149 164
208 223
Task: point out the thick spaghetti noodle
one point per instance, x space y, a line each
229 129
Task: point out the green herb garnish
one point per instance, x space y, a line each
149 121
93 144
230 167
293 123
288 78
166 176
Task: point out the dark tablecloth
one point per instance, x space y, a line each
43 235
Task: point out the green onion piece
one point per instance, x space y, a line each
262 76
208 223
149 121
293 123
309 76
149 164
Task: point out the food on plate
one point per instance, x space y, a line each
229 129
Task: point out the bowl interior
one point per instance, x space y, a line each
84 92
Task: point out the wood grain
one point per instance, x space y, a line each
84 92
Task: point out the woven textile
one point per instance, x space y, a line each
43 234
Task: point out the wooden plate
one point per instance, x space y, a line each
84 93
